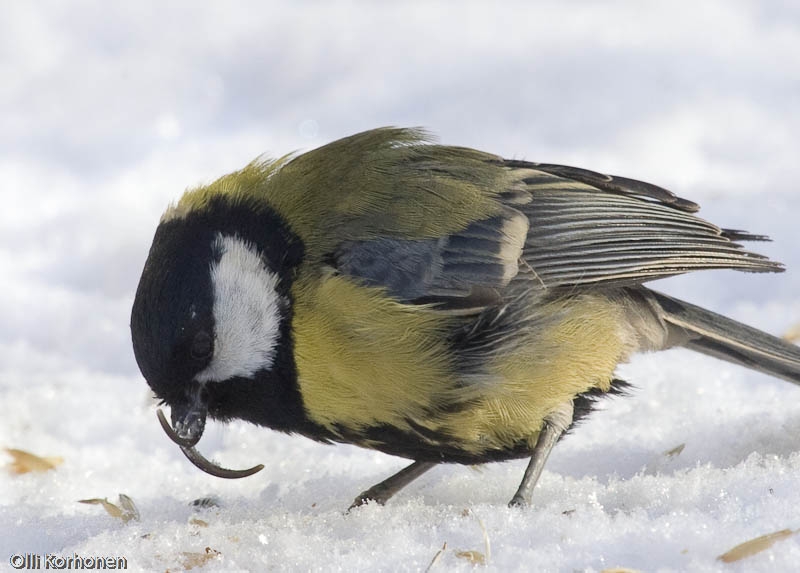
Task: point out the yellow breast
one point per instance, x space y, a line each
364 360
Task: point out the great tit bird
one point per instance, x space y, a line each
432 302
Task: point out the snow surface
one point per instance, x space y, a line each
108 114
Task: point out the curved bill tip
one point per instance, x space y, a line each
188 449
213 469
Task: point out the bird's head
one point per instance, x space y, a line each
210 320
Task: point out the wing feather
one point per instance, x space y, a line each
621 231
558 226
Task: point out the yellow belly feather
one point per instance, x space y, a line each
366 360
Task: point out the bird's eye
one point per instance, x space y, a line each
202 345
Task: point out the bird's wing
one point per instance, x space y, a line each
467 268
562 227
588 228
447 224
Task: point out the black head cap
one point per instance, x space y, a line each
173 325
172 322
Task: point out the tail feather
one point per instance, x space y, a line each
721 337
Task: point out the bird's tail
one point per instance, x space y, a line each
721 337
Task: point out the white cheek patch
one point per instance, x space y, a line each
247 312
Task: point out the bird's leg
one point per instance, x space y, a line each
554 425
380 493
